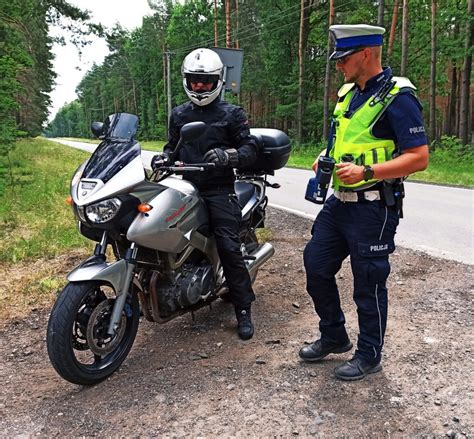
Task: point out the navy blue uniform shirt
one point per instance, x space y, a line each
401 122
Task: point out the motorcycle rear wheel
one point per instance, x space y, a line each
79 347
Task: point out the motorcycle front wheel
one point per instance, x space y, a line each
79 347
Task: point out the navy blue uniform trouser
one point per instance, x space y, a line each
225 217
364 230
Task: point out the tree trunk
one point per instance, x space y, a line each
464 134
392 28
327 76
237 12
380 12
306 6
299 114
432 133
228 25
404 63
451 107
216 33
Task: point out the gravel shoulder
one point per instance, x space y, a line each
196 378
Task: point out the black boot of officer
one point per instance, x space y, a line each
244 322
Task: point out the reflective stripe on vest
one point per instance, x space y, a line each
354 135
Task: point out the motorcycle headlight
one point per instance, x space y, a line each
103 211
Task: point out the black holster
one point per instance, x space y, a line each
393 194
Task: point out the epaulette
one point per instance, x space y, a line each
346 88
402 82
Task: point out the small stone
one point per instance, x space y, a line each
411 328
296 432
203 355
455 419
437 402
275 341
195 357
296 304
313 374
219 344
231 387
160 397
451 434
327 414
260 361
318 420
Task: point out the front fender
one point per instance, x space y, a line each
95 268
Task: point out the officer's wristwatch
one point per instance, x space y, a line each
368 173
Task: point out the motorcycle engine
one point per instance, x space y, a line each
192 283
185 289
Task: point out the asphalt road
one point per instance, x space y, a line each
438 219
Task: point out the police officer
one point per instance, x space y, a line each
379 137
228 144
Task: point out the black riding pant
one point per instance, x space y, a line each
225 216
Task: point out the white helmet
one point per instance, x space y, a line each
202 65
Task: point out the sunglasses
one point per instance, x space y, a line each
204 79
344 59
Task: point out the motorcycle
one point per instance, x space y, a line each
163 260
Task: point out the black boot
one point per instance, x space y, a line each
244 322
356 369
318 350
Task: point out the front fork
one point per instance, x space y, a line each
124 283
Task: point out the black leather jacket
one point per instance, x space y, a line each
227 128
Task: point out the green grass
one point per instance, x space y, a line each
35 221
303 156
448 168
150 145
444 168
153 145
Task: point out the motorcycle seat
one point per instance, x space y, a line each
244 192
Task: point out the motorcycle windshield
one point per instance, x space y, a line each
117 150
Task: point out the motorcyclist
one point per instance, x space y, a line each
228 144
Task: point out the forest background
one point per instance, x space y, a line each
287 83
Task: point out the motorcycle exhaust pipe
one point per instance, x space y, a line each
261 255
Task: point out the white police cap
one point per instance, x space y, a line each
349 38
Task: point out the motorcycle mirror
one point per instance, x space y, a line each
193 130
96 128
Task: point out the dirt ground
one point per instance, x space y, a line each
197 379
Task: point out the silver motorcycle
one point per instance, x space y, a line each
163 260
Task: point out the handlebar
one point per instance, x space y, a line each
181 166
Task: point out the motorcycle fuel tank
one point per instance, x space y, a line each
177 212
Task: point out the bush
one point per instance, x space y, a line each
453 145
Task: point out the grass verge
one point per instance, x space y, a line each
37 227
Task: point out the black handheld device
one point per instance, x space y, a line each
317 188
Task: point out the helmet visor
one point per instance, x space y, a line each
203 78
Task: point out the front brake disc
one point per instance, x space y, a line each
99 341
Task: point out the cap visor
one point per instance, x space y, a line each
338 54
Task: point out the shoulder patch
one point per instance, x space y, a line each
346 88
403 82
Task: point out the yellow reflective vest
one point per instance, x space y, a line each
353 134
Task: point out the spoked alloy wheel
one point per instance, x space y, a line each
79 347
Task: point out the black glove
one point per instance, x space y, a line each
228 157
160 160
